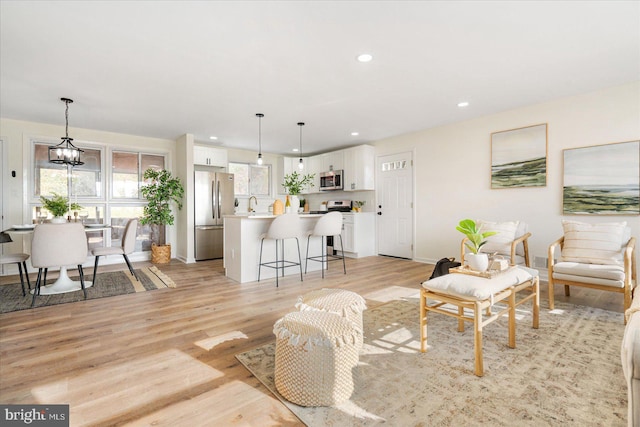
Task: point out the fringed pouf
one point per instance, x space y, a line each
345 303
315 354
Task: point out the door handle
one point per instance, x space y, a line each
219 200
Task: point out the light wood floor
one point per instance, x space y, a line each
166 357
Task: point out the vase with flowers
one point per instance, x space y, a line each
294 183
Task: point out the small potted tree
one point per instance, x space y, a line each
161 191
58 206
476 239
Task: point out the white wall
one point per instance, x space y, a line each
453 168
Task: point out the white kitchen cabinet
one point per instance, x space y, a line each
333 161
209 156
315 166
358 234
359 166
287 165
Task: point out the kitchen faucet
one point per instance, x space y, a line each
255 199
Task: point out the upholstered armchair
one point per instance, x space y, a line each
509 242
597 256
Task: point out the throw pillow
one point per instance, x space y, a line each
500 242
593 243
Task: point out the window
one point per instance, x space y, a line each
127 170
85 186
251 180
80 181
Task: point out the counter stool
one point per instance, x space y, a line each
316 352
283 227
15 258
329 225
344 303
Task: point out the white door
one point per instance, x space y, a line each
394 183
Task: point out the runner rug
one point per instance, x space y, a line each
108 284
567 372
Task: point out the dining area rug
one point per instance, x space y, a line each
108 284
567 372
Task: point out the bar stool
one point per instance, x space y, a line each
15 258
283 227
329 225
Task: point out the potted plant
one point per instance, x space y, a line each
161 190
58 206
294 183
357 205
476 239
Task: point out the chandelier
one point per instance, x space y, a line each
66 153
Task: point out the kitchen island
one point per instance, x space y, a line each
242 246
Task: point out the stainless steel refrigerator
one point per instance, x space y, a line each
214 198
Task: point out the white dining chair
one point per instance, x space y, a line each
329 225
15 258
56 245
128 246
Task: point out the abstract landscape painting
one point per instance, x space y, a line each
519 157
603 179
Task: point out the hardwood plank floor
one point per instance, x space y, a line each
167 357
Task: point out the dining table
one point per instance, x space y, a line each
63 283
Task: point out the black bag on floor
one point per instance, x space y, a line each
442 267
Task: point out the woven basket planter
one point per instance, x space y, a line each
315 354
160 254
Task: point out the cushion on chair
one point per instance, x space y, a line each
593 243
478 288
12 258
589 280
610 272
110 250
500 242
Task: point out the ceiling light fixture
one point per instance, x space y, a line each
259 116
65 153
300 164
213 137
355 133
463 104
365 57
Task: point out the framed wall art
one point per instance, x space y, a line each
602 179
519 157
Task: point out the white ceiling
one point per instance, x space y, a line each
166 68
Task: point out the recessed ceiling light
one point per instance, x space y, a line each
213 137
295 150
365 57
355 133
463 104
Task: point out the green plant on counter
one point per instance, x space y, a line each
302 203
295 182
58 205
358 203
476 237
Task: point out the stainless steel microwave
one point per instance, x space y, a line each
331 180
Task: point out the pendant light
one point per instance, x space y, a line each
300 164
259 116
65 153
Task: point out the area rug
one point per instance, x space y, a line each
108 284
567 372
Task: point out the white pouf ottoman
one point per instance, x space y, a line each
315 354
345 303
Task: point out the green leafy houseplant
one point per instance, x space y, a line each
161 190
476 237
58 205
295 182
